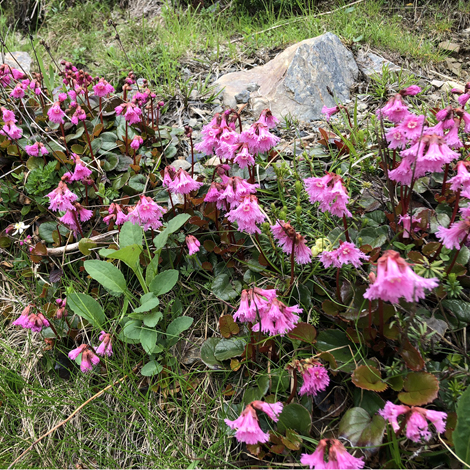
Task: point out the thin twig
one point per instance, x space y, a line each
73 246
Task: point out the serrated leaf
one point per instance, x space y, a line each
107 275
88 308
164 282
421 388
368 378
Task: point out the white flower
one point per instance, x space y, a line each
20 228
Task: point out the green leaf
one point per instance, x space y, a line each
295 416
164 282
173 225
252 394
109 161
361 430
107 275
130 234
303 332
129 254
148 339
461 435
222 288
152 269
459 308
421 388
88 308
208 354
152 319
176 327
373 236
228 348
368 378
151 368
85 244
147 305
337 344
46 229
132 329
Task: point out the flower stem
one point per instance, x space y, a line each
101 112
462 243
127 144
456 208
381 317
89 141
346 233
292 264
294 389
338 288
192 155
63 135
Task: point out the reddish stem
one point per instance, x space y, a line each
101 112
63 135
445 179
381 318
346 233
462 243
456 207
294 389
88 140
338 288
292 264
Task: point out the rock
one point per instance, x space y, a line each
218 109
181 163
450 46
449 85
295 82
437 83
252 87
193 95
242 97
193 123
213 161
371 64
258 103
22 57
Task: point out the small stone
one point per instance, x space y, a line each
252 87
258 103
181 163
242 97
450 46
362 106
372 64
214 161
193 95
437 83
23 58
449 85
192 123
218 109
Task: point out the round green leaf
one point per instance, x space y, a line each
420 388
296 417
151 368
368 378
208 354
222 288
228 348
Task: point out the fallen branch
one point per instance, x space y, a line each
302 18
74 246
73 414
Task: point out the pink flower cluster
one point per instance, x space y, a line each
32 321
337 457
146 213
10 129
221 139
315 378
289 240
330 192
247 424
130 111
89 358
81 172
395 279
415 420
179 182
105 348
193 244
115 215
275 318
36 149
8 73
457 234
346 253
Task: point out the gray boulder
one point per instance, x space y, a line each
295 82
13 58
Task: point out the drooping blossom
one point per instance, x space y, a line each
72 217
193 244
395 109
131 112
233 190
61 311
412 126
81 172
461 181
411 90
338 457
258 138
18 92
288 239
36 149
328 112
32 321
457 233
137 141
406 221
89 358
61 199
115 215
103 88
183 183
268 119
247 424
247 215
78 115
146 213
395 279
452 138
253 301
330 192
396 138
7 115
56 114
23 319
12 131
105 348
243 158
346 253
415 417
